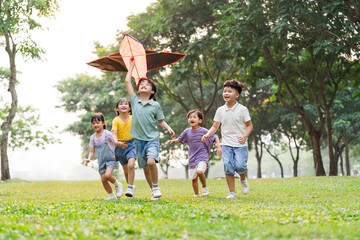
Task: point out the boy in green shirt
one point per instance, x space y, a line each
147 114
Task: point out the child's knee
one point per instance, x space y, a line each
200 173
151 162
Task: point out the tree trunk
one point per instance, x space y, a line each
295 168
186 171
258 155
5 127
347 159
342 165
281 167
333 171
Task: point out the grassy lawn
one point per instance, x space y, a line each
293 208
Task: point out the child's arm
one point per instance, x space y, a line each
249 127
175 141
164 125
218 147
128 84
211 131
122 145
90 156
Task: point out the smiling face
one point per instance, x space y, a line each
122 106
194 120
145 86
230 95
97 125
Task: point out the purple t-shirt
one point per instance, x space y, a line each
198 150
101 140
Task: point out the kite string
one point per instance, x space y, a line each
134 57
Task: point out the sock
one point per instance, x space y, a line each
233 193
111 194
131 186
116 183
155 185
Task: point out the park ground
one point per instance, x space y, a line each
291 208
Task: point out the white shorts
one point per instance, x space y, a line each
202 166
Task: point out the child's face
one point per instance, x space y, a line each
230 94
123 107
97 125
145 87
194 120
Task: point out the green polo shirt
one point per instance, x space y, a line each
144 125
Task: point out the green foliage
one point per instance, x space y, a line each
301 208
23 130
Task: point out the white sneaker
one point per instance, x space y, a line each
153 198
119 190
111 197
156 192
244 186
231 195
130 192
205 191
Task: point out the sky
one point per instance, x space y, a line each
69 45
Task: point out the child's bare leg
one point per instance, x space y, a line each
147 174
126 172
109 176
131 171
243 176
106 184
230 179
153 170
195 185
202 178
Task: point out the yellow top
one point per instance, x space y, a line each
123 128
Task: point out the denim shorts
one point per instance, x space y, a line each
235 159
123 155
146 149
105 164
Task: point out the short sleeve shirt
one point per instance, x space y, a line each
144 125
198 150
101 140
122 128
232 123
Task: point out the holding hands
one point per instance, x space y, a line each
122 145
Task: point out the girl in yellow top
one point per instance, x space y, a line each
125 151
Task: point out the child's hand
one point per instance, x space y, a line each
218 151
122 145
242 140
86 161
169 142
172 133
204 138
132 61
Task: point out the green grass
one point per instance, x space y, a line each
295 208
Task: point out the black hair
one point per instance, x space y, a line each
120 101
153 86
98 117
198 113
235 84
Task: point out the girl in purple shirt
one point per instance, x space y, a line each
198 151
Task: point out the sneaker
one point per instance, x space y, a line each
111 197
205 191
153 198
244 186
130 192
231 195
156 192
118 190
196 195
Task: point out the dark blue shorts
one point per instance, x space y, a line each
123 155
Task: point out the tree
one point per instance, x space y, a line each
304 44
17 19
